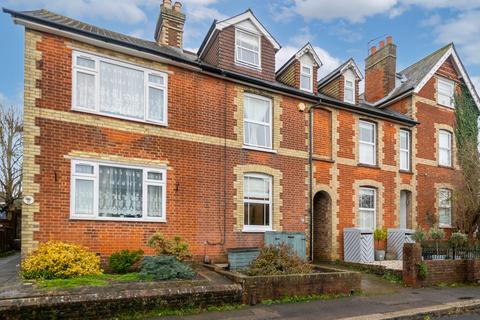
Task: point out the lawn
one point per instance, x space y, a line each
94 280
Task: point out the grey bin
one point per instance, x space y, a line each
396 239
358 245
296 240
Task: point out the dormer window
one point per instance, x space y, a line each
247 48
306 78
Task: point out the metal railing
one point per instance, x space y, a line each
442 253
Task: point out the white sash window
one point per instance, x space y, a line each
247 48
257 202
257 119
404 150
445 208
445 92
367 198
367 143
445 148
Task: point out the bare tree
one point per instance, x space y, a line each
11 152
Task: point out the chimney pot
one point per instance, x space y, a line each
167 3
373 50
389 40
382 44
177 6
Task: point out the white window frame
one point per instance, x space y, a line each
243 63
405 167
270 125
352 81
450 95
374 209
374 143
448 207
447 150
96 73
254 228
95 178
309 75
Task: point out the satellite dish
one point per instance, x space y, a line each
28 200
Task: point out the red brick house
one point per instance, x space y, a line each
125 137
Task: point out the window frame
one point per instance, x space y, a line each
258 228
345 89
310 75
270 125
449 83
407 151
95 176
241 62
374 209
96 73
374 143
440 207
449 149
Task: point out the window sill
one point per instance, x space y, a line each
446 167
259 149
256 230
371 166
445 226
162 220
405 171
163 124
445 106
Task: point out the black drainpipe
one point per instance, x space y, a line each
310 174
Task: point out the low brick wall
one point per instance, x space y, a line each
331 281
438 271
104 305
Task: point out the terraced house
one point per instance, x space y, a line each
125 137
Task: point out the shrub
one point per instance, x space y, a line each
165 268
380 235
279 259
122 261
419 236
457 239
55 260
176 247
437 234
422 270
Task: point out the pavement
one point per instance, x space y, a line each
398 303
9 266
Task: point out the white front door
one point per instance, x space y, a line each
403 209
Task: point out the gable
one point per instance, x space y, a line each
247 25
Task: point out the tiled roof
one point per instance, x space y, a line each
330 75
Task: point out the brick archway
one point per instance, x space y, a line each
322 226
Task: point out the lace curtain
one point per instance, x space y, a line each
120 192
257 122
122 91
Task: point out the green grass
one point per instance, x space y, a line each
168 312
392 277
308 298
95 280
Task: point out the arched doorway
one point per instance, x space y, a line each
405 209
322 226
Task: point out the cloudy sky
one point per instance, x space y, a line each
338 29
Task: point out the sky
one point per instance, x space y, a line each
338 29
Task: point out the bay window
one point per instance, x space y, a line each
257 202
367 143
118 89
257 121
117 192
367 198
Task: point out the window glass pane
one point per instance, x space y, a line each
306 82
367 132
348 94
367 198
85 62
257 135
247 47
404 140
367 153
154 201
121 91
349 84
85 86
120 193
156 79
257 122
444 139
257 109
404 161
306 70
256 188
366 219
247 56
154 176
84 168
445 217
83 196
247 41
155 104
257 214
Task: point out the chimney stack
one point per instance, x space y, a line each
169 30
380 70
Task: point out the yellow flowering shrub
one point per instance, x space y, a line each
55 259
